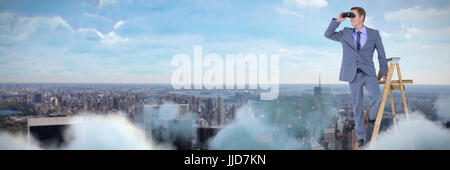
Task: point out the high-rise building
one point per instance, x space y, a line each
194 104
199 105
243 100
221 109
324 98
116 103
137 99
37 98
49 131
330 137
233 111
60 99
211 112
348 135
165 122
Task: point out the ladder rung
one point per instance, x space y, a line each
390 59
397 87
397 82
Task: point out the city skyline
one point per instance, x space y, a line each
132 41
217 114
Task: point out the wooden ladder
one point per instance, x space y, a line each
389 86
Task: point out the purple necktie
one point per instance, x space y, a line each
358 44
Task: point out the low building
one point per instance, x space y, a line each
49 131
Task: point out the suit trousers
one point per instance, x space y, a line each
356 89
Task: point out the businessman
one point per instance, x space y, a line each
357 67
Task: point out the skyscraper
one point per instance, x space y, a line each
221 109
324 97
194 104
37 98
233 111
210 111
116 103
199 105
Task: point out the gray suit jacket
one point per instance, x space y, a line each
350 55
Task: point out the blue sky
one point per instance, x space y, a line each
133 41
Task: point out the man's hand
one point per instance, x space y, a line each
339 17
383 79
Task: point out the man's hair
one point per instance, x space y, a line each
361 11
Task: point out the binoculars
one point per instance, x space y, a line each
348 14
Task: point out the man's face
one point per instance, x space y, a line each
357 20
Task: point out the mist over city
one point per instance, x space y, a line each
157 117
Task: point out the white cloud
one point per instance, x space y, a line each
297 8
102 3
250 131
415 13
9 141
15 27
443 108
418 24
308 3
106 132
118 24
99 17
385 35
111 38
424 35
288 12
369 22
416 133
